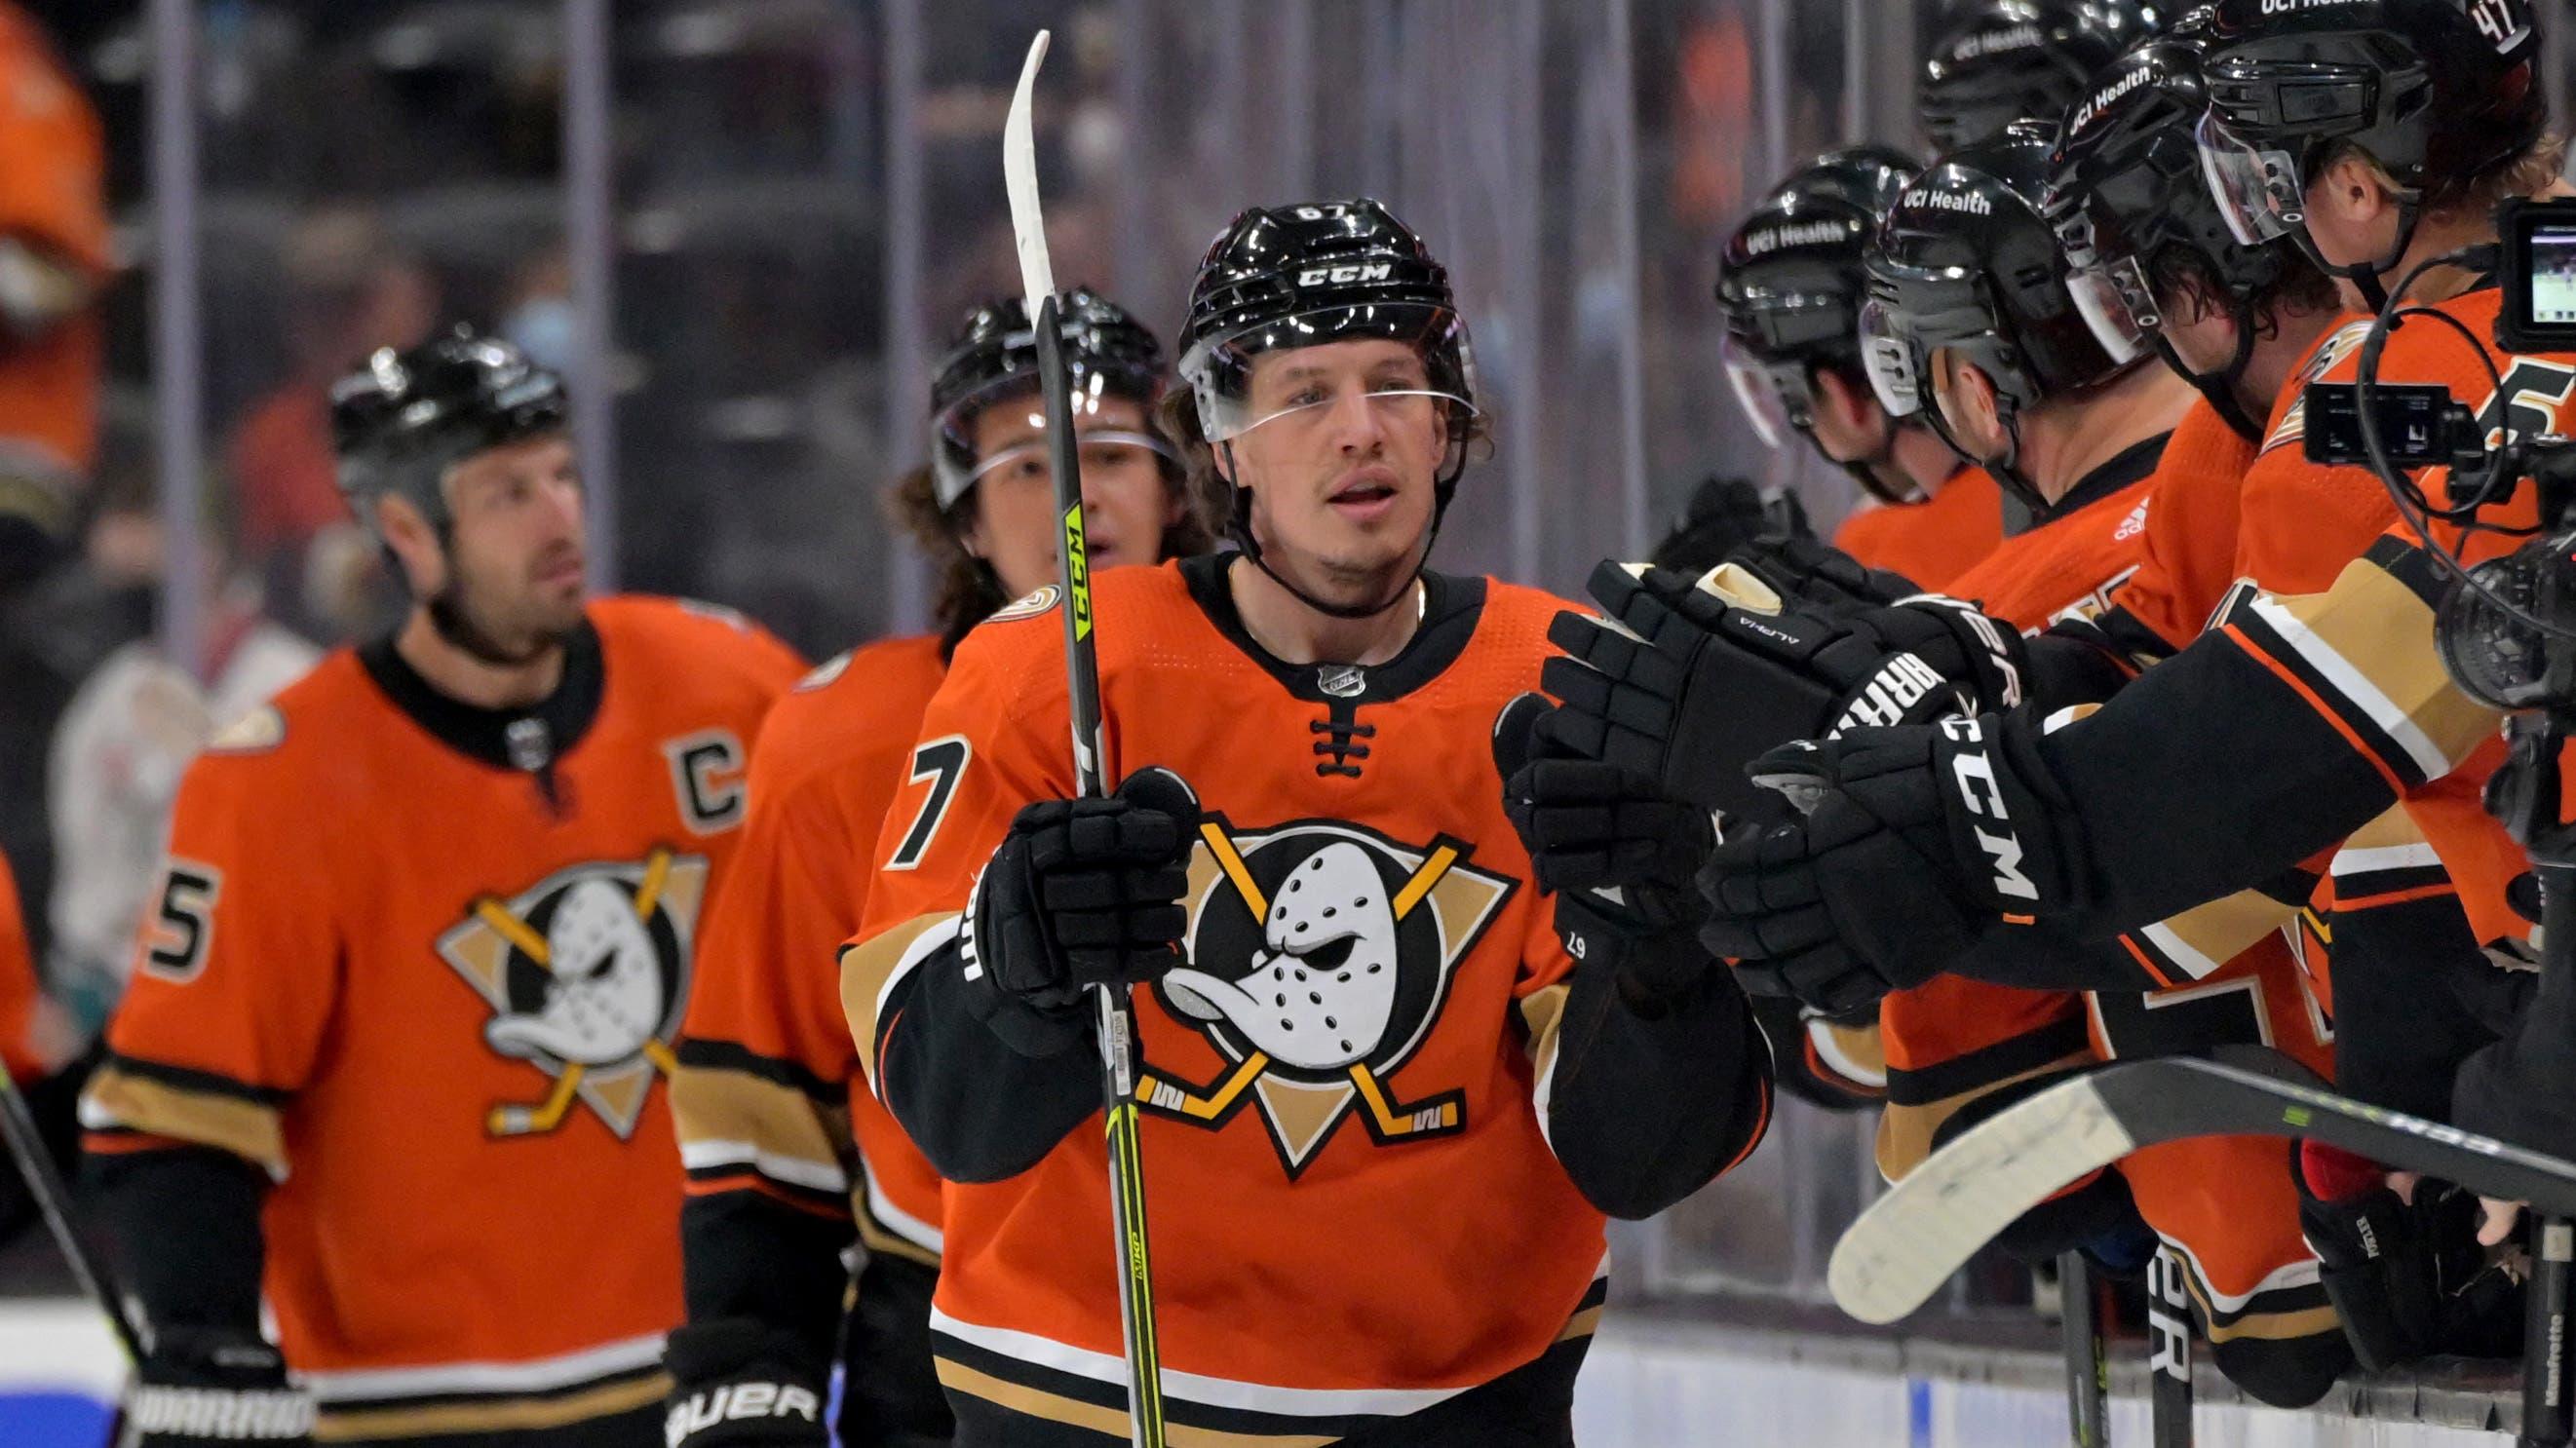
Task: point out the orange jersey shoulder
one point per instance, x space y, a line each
2067 567
1934 541
681 640
2190 556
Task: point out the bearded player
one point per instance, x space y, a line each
392 1058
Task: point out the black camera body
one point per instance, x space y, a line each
2537 266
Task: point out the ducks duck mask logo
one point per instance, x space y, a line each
1320 955
585 974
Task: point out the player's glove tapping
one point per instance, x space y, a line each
739 1383
1081 892
206 1389
1916 841
2406 1274
1619 855
1690 678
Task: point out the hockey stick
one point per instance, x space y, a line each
2088 1359
35 1164
1909 1242
2169 1364
1117 1012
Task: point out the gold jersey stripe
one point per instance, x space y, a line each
1905 1131
1031 1402
714 1104
500 1415
228 1123
865 968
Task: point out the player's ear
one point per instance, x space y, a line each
414 542
2352 189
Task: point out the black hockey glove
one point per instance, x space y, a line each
739 1383
1819 576
1917 841
2408 1279
1690 678
206 1389
1724 515
1619 856
1082 892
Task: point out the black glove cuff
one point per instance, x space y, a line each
2002 813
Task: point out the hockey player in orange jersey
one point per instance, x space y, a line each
1790 287
392 1058
789 1156
1386 1106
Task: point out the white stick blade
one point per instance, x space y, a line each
1908 1243
1020 178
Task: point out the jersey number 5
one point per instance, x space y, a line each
941 761
186 923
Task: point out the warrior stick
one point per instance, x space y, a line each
1117 1014
1909 1242
2088 1361
53 1202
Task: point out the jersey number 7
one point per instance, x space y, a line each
941 761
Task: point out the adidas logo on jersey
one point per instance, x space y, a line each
738 1402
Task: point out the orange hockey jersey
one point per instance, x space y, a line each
21 996
769 1093
1934 541
1373 1217
429 986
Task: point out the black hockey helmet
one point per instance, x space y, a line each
993 357
2126 197
1964 263
2003 60
1790 285
2437 92
1303 275
404 418
1299 276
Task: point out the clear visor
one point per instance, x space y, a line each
955 463
1887 353
2257 190
1759 391
1279 377
1109 451
2118 306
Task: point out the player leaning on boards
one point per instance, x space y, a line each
1386 1109
2302 714
790 1157
393 1042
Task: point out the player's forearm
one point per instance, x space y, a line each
2207 773
979 1109
1647 1104
746 1255
183 1227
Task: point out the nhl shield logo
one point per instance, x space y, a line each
585 973
1320 956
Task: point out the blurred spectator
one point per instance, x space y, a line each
351 290
53 264
125 739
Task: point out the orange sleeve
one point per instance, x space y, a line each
766 977
52 155
236 973
19 991
1930 543
2191 529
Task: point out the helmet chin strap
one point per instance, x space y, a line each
2006 470
1239 528
2220 387
1871 472
2365 276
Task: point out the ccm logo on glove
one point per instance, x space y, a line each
1974 774
736 1402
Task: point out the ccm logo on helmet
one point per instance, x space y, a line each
1974 774
735 1402
1318 276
